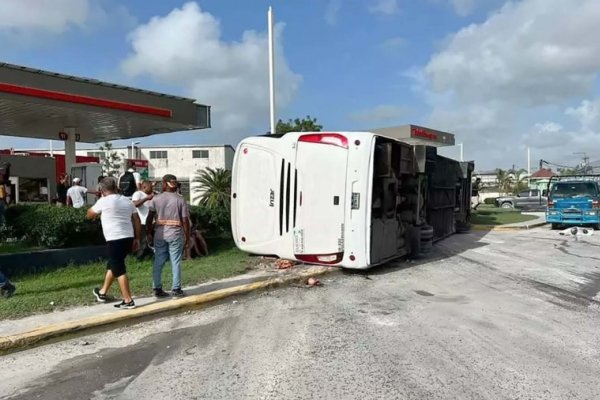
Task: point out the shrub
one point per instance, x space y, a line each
53 227
216 221
490 200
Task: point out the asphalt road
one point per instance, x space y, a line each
496 316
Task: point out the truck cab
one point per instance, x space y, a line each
573 201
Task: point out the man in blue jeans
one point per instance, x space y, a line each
6 288
168 220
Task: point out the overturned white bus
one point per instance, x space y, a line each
350 199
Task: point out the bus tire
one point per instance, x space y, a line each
426 232
426 243
554 226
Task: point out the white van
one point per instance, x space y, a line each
325 197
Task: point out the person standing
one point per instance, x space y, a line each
140 200
3 202
99 187
169 212
122 230
4 193
77 194
61 191
131 181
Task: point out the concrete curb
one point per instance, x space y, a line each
507 228
30 338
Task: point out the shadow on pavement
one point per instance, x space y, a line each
457 243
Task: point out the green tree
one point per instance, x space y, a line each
519 181
215 188
111 162
504 180
568 171
307 124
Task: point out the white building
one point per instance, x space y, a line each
184 161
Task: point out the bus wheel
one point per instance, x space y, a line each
426 242
555 226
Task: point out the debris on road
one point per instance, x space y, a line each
577 231
284 264
312 281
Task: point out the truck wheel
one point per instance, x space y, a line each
507 204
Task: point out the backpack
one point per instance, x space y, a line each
127 184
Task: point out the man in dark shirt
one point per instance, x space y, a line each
61 191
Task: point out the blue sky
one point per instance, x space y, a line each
489 71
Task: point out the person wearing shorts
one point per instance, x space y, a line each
122 230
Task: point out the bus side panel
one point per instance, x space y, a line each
357 232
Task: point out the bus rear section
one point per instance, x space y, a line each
319 222
289 196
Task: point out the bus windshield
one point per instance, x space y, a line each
574 189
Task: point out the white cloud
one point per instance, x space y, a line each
385 7
185 49
54 16
588 114
380 114
332 11
547 135
24 23
493 81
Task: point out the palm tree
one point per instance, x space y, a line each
504 180
215 188
519 180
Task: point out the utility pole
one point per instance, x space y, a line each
271 19
585 164
528 167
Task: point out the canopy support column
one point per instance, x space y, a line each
70 149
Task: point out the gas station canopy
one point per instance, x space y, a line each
417 135
47 105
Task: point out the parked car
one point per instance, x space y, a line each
526 200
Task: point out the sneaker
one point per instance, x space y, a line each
100 298
159 293
125 306
177 293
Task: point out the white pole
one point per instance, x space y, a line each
528 167
51 149
271 71
132 144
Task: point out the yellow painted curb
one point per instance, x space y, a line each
32 337
506 228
